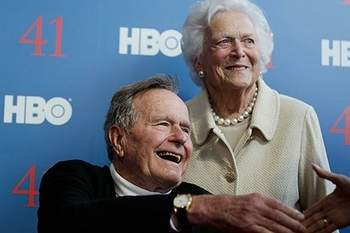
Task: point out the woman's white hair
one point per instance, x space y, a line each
199 18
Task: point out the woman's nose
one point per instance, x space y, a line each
237 49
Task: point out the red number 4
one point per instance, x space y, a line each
346 130
38 40
30 191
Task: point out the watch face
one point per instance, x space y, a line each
181 201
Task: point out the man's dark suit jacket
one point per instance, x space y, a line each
76 196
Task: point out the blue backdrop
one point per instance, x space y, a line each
61 61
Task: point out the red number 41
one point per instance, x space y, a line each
30 191
346 130
38 40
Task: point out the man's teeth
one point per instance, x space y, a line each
170 156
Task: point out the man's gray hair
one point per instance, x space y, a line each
200 17
121 111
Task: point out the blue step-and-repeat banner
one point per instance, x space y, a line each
60 62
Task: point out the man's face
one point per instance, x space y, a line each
157 149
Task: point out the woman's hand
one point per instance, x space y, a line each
333 211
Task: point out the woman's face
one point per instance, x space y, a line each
230 56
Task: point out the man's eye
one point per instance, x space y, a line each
186 130
163 123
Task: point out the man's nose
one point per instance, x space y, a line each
178 135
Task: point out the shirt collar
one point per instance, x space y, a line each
264 116
125 188
266 111
201 117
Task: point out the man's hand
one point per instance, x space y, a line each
333 211
246 213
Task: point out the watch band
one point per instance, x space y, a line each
182 202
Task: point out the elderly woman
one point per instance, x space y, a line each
247 137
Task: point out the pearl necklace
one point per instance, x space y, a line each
233 121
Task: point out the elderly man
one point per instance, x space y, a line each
147 133
147 130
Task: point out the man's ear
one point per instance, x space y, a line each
116 137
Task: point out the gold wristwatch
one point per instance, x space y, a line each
182 202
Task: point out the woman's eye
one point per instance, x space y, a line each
224 43
249 41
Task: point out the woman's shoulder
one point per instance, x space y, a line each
293 101
198 105
293 104
197 100
291 107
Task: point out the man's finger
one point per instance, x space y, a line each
261 229
292 213
289 220
280 222
312 219
316 208
275 226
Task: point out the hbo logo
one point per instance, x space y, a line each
148 41
34 110
336 51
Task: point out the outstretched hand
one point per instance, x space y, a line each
246 213
333 211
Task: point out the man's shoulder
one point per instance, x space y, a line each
79 169
78 174
76 165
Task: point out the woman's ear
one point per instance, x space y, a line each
116 136
197 64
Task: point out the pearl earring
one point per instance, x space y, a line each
201 74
